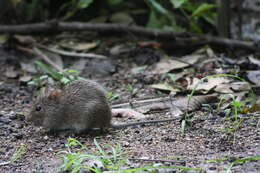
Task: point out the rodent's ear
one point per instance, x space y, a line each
54 95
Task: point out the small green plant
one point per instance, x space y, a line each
19 152
63 77
131 89
75 161
241 161
172 77
111 96
237 106
234 162
112 161
161 15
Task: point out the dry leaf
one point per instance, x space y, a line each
206 85
10 73
192 59
254 77
79 46
166 65
165 87
240 86
25 78
25 40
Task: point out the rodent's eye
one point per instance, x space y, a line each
38 108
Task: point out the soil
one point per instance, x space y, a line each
203 140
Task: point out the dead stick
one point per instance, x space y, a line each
46 59
137 30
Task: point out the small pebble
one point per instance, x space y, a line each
45 137
12 117
5 120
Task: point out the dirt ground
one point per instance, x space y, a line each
203 140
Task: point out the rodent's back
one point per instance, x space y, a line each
85 101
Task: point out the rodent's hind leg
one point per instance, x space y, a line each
61 133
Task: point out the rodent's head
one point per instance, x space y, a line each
44 108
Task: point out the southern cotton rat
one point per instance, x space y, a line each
79 106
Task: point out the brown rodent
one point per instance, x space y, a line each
79 106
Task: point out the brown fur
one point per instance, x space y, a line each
79 106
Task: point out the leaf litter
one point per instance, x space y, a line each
205 138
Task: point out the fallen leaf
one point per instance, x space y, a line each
223 88
10 73
165 87
240 86
192 59
166 65
79 46
254 60
206 85
254 77
25 40
25 78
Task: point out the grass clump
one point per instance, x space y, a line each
77 157
18 153
61 77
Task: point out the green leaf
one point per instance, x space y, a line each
84 3
203 8
177 3
54 74
153 22
183 126
158 7
114 2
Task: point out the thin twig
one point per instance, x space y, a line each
35 51
46 59
72 54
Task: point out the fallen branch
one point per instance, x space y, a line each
35 51
72 54
182 37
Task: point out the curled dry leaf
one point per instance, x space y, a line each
207 85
